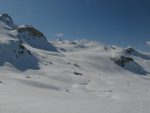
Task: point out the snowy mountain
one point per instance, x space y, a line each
16 41
37 76
6 20
30 35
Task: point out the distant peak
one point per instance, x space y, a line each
59 40
130 50
6 18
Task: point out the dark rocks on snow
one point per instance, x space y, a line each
77 73
50 62
28 77
33 31
122 60
76 65
129 50
105 48
22 49
62 49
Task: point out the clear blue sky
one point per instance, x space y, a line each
122 22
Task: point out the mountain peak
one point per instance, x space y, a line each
32 30
6 18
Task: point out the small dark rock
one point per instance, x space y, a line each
28 77
29 52
50 62
76 65
105 48
62 49
77 73
67 90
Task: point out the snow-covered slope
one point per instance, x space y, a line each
30 35
16 41
37 76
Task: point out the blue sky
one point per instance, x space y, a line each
121 22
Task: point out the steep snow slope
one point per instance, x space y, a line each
81 78
15 41
30 35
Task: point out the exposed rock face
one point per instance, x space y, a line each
5 18
33 37
129 64
129 50
21 50
31 30
122 60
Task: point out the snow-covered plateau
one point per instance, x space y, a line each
38 76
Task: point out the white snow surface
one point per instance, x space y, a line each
47 81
